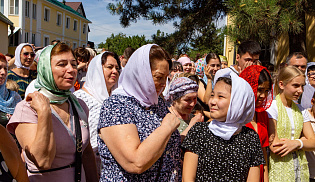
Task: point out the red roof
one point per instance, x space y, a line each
74 5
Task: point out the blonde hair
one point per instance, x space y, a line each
286 75
12 85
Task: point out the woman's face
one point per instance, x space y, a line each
224 65
219 101
214 65
186 103
111 72
160 71
64 69
27 56
187 67
3 71
262 93
294 88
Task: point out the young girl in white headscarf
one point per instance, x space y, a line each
224 149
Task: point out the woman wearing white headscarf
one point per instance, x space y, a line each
138 138
224 149
101 78
22 75
308 89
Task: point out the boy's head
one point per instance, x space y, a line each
248 53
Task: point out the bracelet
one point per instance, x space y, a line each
300 142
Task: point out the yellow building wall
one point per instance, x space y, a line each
4 37
310 36
15 20
27 24
229 51
283 49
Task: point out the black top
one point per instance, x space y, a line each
223 160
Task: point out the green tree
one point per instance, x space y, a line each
265 20
189 15
118 43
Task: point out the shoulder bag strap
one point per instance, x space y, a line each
78 141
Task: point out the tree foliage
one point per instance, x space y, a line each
265 20
118 43
190 16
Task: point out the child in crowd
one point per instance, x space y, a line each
224 149
287 123
260 80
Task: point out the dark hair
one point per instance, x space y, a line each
61 48
225 80
10 55
212 55
177 65
114 55
82 53
252 47
311 68
298 55
52 42
157 53
263 77
128 52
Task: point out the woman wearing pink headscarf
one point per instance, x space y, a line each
186 63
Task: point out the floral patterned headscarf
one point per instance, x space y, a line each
251 75
200 67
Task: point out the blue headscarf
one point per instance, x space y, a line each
8 99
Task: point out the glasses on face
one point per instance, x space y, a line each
29 53
311 75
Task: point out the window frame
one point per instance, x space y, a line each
44 40
48 15
34 11
15 7
60 23
75 24
27 9
68 23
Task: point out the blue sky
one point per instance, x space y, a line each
104 24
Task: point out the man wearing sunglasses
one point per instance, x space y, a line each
22 75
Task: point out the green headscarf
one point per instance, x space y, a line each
46 85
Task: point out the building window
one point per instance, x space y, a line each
74 45
58 19
33 38
75 24
2 6
46 14
68 22
26 37
34 11
27 9
46 40
14 7
84 28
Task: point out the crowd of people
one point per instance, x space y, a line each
73 115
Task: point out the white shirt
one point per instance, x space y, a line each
273 113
